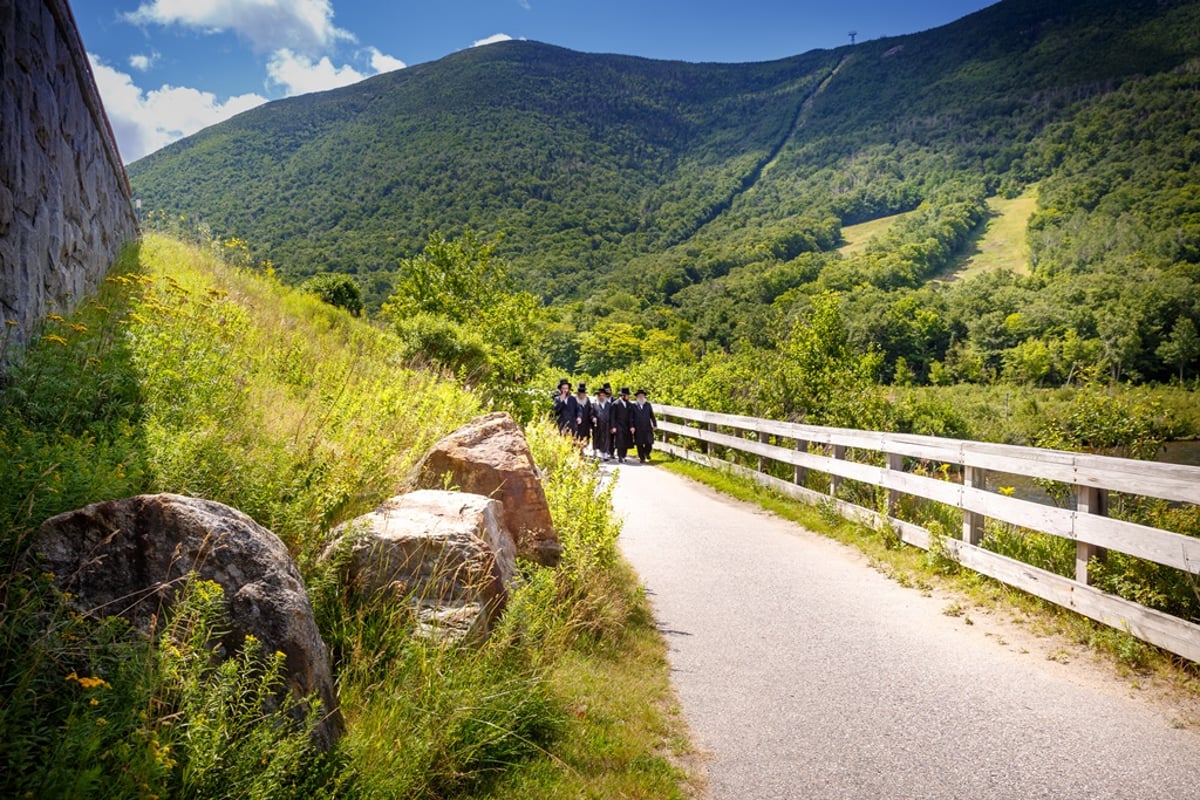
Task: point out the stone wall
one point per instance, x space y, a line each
65 204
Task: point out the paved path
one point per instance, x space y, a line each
804 673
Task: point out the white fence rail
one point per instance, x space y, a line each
691 434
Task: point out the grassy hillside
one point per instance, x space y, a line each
856 237
1000 243
190 376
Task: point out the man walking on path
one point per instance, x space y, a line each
622 424
565 408
602 440
644 425
583 417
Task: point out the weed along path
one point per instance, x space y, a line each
805 673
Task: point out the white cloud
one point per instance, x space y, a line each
495 37
142 62
304 26
298 74
382 62
525 4
143 121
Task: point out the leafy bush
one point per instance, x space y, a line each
337 290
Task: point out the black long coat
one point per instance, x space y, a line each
622 420
566 410
583 418
602 440
644 423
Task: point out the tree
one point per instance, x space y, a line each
1182 346
453 278
453 308
1119 338
336 289
819 376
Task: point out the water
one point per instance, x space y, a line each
1187 452
1181 453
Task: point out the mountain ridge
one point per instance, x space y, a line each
602 175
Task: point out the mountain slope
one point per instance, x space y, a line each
589 165
586 150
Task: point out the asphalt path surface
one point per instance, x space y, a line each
805 673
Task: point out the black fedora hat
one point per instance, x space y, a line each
642 392
564 382
582 387
624 390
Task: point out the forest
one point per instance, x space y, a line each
520 212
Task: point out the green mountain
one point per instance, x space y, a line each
705 201
571 156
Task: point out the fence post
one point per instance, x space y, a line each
973 477
839 452
762 437
895 463
708 446
799 473
1088 500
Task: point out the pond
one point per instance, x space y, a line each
1186 452
1181 453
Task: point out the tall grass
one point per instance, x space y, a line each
187 374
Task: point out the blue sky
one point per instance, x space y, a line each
167 68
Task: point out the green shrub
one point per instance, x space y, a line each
337 290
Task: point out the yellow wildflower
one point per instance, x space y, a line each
1007 491
56 339
89 682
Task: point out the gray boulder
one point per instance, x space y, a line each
131 557
446 554
490 456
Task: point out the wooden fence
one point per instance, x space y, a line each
842 454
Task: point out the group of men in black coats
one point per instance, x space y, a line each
612 426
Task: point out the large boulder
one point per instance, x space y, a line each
447 554
131 557
490 456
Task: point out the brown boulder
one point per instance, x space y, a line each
447 553
490 456
130 558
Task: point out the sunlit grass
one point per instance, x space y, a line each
1001 243
857 237
190 375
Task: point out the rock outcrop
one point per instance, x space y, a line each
490 456
131 557
446 554
65 207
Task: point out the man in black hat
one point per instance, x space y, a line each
583 416
602 439
644 425
565 408
622 424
